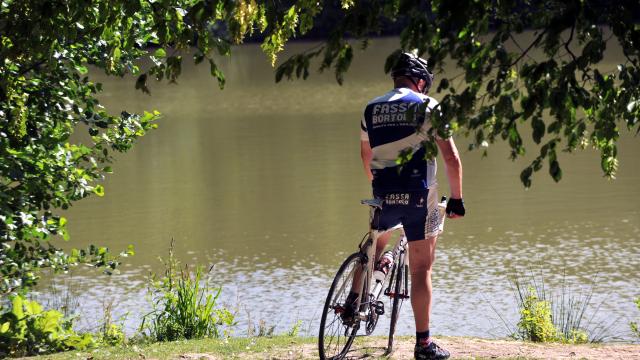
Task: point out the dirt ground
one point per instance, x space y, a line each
462 348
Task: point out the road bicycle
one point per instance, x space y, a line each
339 326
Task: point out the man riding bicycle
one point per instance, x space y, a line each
394 127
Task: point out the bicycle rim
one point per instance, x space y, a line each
397 299
335 337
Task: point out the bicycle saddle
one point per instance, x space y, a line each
376 203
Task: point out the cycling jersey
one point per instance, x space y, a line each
391 131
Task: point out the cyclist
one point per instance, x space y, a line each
393 127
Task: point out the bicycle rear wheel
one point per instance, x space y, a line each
398 295
336 335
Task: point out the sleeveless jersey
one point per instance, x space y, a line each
391 131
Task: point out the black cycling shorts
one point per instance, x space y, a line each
408 208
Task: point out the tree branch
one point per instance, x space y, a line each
534 43
566 44
517 44
32 67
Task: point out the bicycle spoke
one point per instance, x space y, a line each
334 320
335 339
340 291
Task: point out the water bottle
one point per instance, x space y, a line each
380 272
442 207
383 266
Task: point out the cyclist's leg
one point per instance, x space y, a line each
422 255
422 246
383 240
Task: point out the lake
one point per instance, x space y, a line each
263 181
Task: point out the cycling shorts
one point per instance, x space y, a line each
417 211
435 219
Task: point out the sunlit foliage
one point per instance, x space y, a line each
556 83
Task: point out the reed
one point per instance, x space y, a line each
184 305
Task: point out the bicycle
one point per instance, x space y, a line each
356 273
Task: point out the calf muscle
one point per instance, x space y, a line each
421 258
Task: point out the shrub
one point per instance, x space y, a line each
535 319
184 306
634 325
110 333
545 317
27 329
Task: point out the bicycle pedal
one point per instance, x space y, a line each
379 308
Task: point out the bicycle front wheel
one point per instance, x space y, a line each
397 296
336 330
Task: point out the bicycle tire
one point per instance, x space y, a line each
325 341
397 298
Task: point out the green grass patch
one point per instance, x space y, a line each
221 348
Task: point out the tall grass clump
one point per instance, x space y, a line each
548 316
184 306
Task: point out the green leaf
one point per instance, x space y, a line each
4 328
99 190
82 69
17 303
444 84
160 53
554 169
525 176
538 129
141 83
391 60
215 72
32 307
116 54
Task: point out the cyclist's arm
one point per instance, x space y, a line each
453 166
366 154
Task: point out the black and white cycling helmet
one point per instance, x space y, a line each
413 67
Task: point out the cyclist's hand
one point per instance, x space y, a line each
455 208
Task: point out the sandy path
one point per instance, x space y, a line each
467 348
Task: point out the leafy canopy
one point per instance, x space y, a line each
556 84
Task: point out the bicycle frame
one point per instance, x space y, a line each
368 253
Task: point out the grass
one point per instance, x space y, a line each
225 349
230 348
276 347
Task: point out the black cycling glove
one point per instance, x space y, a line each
455 206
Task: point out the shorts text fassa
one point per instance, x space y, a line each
397 199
